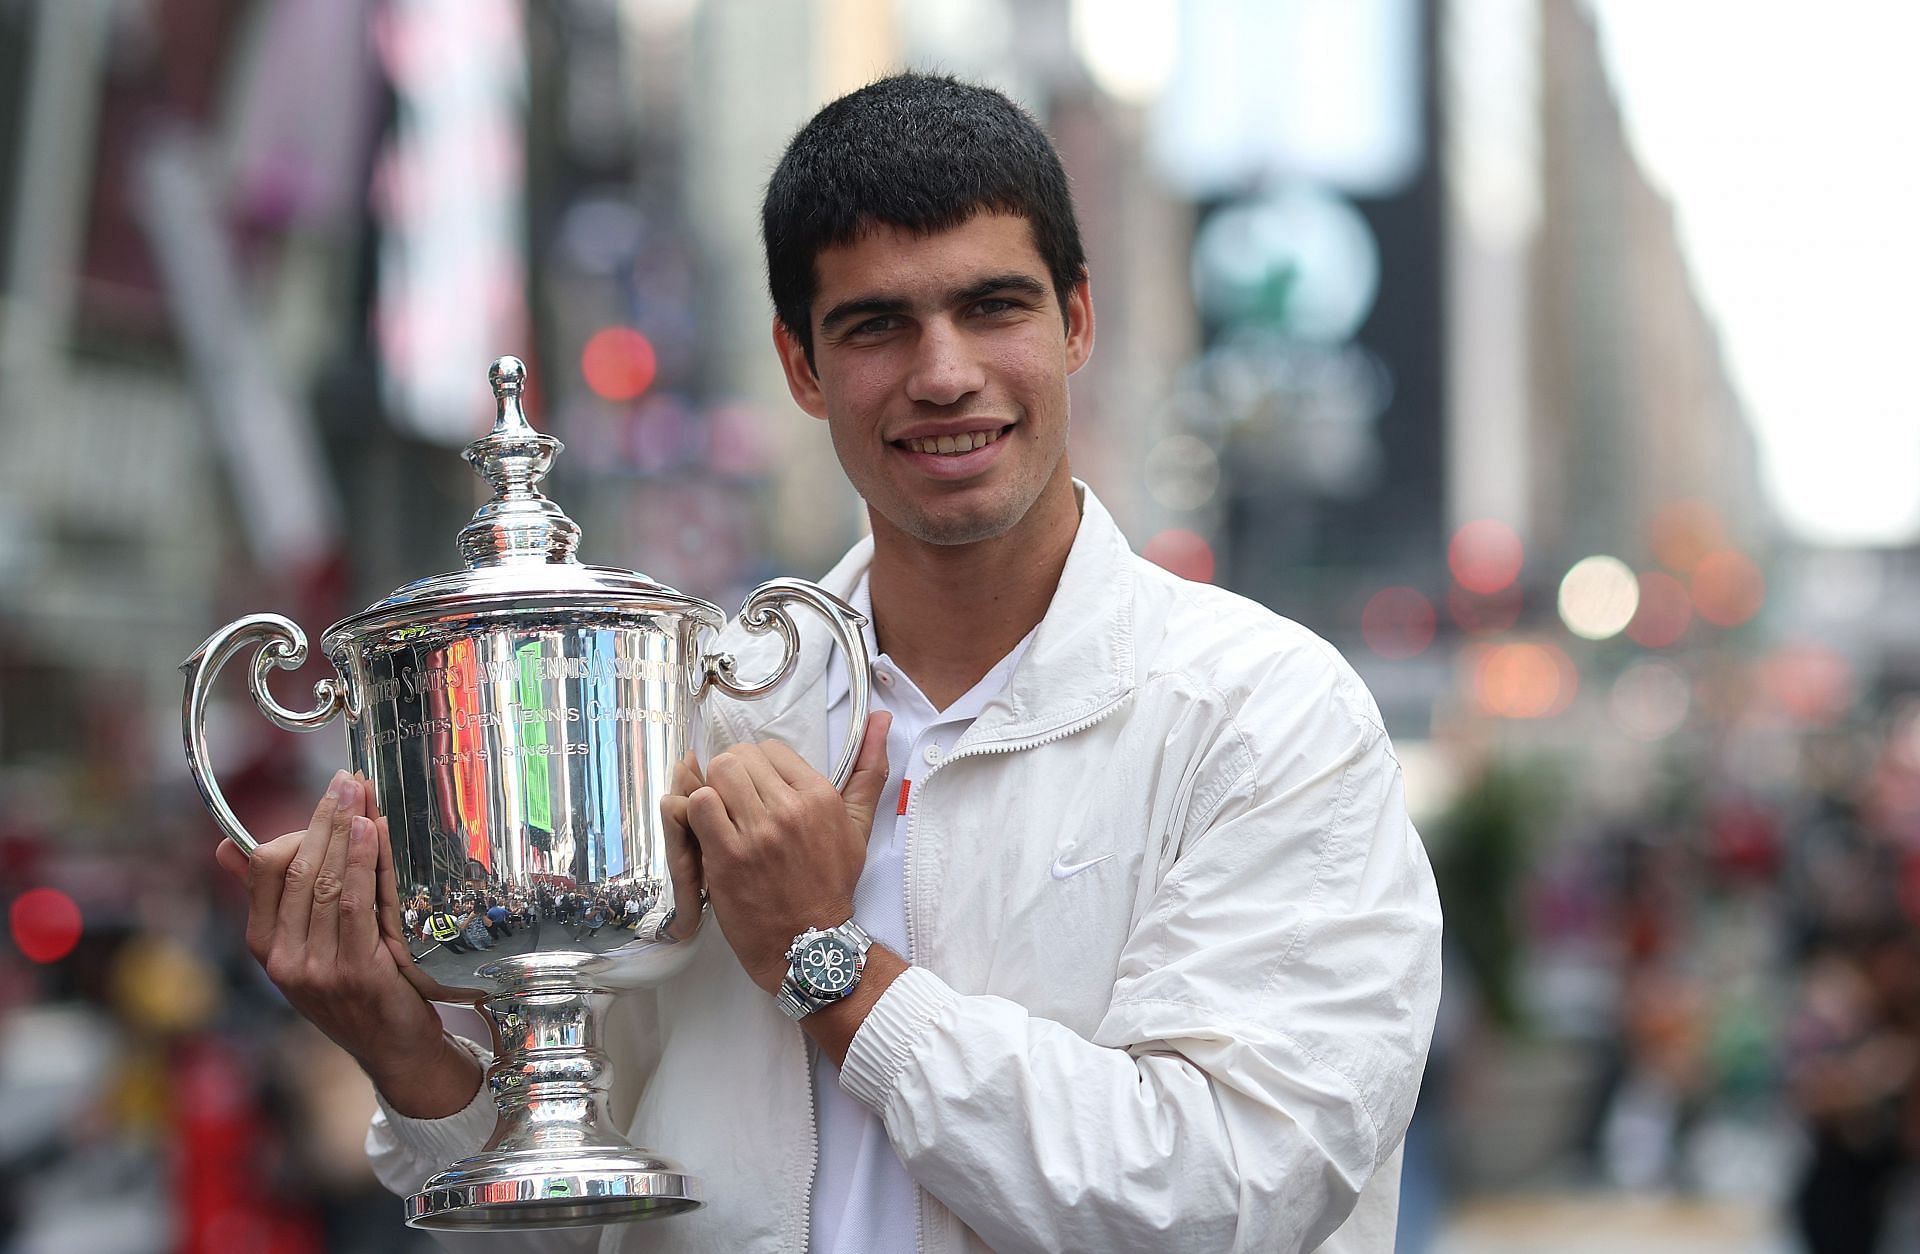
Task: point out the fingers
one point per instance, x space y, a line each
869 777
684 870
794 769
232 860
386 886
302 867
330 881
359 929
731 778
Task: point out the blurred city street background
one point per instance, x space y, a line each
1540 354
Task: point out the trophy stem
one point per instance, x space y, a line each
555 1160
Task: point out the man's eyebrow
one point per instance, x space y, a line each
1016 281
861 307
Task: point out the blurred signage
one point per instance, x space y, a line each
1327 90
448 194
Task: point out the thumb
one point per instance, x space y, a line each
862 793
232 859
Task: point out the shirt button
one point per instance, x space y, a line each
882 677
931 753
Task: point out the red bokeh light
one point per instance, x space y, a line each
1397 623
1664 612
1485 556
1185 553
45 924
1727 588
618 363
1808 680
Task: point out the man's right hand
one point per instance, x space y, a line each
323 921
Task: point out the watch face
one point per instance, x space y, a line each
826 966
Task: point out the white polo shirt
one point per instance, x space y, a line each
863 1198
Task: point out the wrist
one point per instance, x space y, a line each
430 1084
833 1028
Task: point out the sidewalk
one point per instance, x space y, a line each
1591 1224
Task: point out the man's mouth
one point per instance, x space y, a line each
963 442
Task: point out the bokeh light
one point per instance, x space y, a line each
1485 556
1809 681
1522 679
1727 588
1185 553
1650 700
1598 597
1398 623
618 363
45 924
1182 473
1665 610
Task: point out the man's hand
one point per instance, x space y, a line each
683 854
780 850
323 920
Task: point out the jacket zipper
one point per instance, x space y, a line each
913 809
813 1157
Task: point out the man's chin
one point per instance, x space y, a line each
960 527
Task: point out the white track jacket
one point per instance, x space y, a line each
1175 946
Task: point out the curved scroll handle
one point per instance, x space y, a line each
281 645
765 611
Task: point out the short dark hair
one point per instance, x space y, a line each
924 152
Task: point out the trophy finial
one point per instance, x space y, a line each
520 523
508 375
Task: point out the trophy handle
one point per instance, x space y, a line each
281 645
766 610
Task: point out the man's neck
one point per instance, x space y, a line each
946 614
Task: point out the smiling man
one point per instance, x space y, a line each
1119 938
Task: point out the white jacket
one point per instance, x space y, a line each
1210 1040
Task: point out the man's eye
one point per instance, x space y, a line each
873 326
995 305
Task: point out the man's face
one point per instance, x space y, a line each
940 366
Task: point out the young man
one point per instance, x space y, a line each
1150 947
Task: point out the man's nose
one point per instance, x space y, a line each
945 368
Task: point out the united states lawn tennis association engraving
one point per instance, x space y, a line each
452 697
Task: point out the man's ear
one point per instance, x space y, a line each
802 382
1079 324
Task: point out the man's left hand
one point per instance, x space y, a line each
780 849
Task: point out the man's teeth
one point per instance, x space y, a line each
965 442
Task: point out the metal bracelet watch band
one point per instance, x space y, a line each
823 966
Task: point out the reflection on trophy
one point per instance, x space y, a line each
519 721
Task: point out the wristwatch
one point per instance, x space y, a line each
823 966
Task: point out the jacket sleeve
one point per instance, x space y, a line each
1257 1062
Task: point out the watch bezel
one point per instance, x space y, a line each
797 974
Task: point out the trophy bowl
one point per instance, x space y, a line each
518 722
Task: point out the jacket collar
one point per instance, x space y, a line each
1081 659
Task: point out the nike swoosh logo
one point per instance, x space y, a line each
1064 870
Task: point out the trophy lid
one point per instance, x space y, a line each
519 546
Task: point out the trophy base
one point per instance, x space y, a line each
521 1189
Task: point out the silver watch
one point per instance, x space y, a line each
823 966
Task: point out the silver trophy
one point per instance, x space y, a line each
519 721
